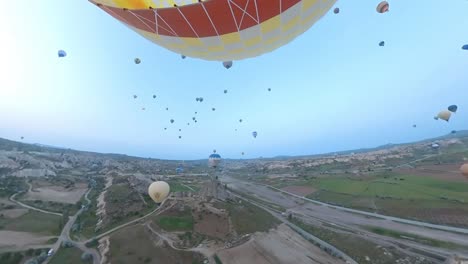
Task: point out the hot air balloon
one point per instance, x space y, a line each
137 61
196 121
383 7
214 150
240 120
454 131
218 30
254 134
180 137
436 118
183 56
242 153
214 160
336 10
143 108
227 64
158 191
453 108
193 118
165 128
154 96
414 125
188 124
22 138
135 97
213 109
225 91
61 53
197 99
269 89
180 129
464 169
196 112
172 121
445 115
465 47
167 108
382 43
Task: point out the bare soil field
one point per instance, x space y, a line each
57 194
13 213
213 225
20 240
299 190
279 246
449 172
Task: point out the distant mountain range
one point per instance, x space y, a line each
6 144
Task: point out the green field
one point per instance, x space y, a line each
134 245
70 255
53 206
175 223
34 222
248 218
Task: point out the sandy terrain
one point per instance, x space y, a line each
13 213
281 246
54 195
299 190
10 239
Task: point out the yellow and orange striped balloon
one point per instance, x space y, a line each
218 30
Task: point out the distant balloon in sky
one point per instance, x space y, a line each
454 131
225 91
183 56
62 53
453 108
167 108
137 61
436 118
135 96
218 30
180 136
465 47
269 89
242 153
172 121
240 120
180 129
227 64
383 7
22 138
464 169
213 109
158 191
382 43
154 96
445 115
336 10
254 134
193 118
165 128
143 108
414 125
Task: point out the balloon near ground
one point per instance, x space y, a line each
464 169
218 30
158 191
214 160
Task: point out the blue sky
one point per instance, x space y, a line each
333 88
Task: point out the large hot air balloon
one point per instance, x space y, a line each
158 191
383 7
214 160
453 108
464 169
218 30
254 134
61 53
445 115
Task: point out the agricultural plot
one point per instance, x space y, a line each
69 255
33 222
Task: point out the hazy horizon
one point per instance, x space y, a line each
333 88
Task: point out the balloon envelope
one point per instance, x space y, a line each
254 134
137 61
336 10
158 191
383 7
465 47
445 115
214 160
464 169
62 53
453 108
218 30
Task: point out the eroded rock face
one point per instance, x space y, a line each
34 173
